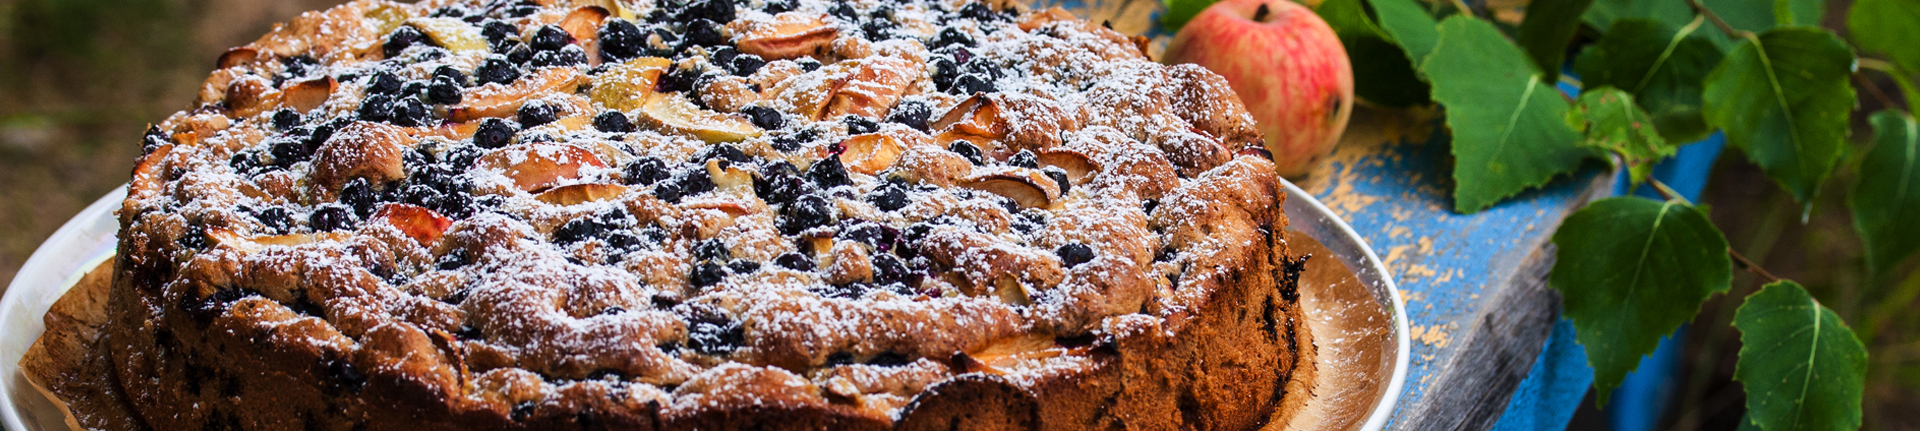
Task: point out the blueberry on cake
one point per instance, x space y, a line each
707 214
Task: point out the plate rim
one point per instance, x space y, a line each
67 241
1382 412
60 247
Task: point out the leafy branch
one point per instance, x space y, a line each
1630 269
1738 260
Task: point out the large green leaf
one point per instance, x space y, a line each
1630 271
1783 98
1388 78
1662 66
1509 126
1410 26
1749 15
1886 200
1887 27
1547 29
1613 123
1802 367
1348 17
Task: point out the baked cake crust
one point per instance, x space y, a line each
717 215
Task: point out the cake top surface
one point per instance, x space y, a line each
862 195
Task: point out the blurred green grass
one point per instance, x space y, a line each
79 81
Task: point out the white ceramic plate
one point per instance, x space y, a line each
1369 388
77 247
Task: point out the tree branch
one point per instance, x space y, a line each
1717 22
1743 263
1897 74
1874 90
1878 64
1738 260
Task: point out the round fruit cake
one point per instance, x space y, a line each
716 214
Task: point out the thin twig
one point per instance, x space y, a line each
1738 260
1893 71
1748 265
1878 64
1667 192
1462 6
1717 22
1874 89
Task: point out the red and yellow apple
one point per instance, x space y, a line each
1286 65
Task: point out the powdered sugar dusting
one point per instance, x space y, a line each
699 241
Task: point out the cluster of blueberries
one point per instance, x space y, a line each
392 100
438 181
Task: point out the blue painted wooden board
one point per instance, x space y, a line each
1474 284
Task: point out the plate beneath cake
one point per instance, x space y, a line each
1356 315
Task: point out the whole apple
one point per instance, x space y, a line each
1286 65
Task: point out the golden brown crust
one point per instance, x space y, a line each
959 207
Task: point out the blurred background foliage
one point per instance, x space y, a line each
80 79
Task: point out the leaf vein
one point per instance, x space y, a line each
1641 263
1779 94
1672 45
1513 121
1806 383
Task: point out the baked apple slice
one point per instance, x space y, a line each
225 237
421 224
541 165
305 96
1028 187
975 120
788 36
450 33
871 153
499 101
985 120
730 178
249 95
238 55
584 23
873 88
581 193
625 86
1077 164
672 112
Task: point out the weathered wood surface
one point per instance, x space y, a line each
1475 285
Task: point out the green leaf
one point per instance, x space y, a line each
1180 11
1887 27
1613 123
1631 270
1509 126
1546 31
1662 66
1802 367
1791 13
1907 88
1749 15
1886 200
1410 26
1348 17
1783 98
1388 78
